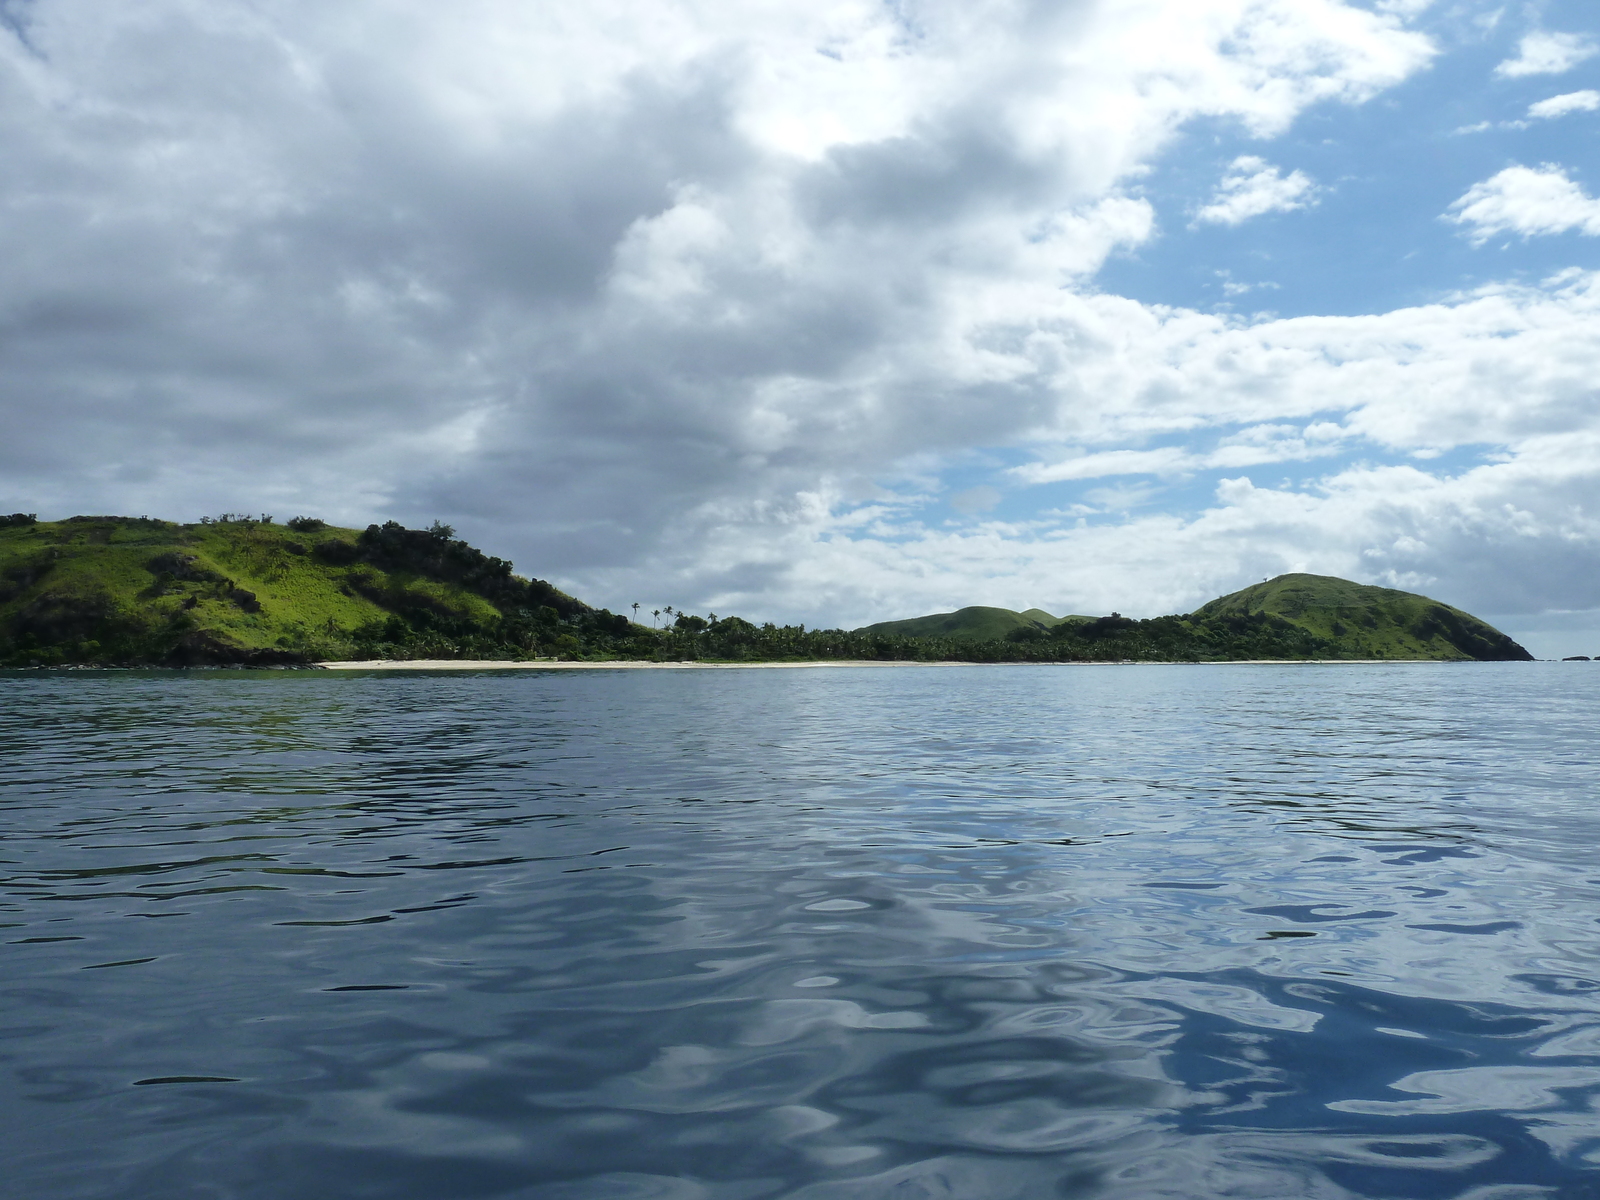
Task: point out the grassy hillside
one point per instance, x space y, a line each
1365 621
1043 618
137 590
1291 617
132 590
974 624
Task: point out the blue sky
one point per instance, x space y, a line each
1387 171
829 313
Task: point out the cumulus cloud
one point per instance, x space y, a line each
975 500
1484 537
1506 373
1587 100
1542 53
1257 444
696 306
1252 187
576 274
1527 201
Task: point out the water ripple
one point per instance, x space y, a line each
1083 932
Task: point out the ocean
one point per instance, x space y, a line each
967 932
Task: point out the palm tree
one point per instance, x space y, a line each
635 612
655 616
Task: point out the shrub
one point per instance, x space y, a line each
181 566
337 552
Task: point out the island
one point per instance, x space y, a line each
239 590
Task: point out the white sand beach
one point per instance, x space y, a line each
550 664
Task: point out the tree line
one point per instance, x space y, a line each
533 619
600 634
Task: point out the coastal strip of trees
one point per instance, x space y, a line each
132 591
600 634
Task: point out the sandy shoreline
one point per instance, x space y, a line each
474 664
445 664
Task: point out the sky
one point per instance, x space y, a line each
827 312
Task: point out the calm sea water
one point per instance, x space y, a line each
968 932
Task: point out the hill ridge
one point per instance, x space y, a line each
103 590
1309 615
251 592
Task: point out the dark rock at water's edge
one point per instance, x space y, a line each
1577 658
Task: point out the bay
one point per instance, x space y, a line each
915 932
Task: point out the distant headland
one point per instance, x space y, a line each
248 591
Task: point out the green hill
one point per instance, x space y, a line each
1292 617
1366 621
975 624
1045 619
135 590
113 591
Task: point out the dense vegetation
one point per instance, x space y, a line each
245 590
975 624
1294 616
131 590
1366 621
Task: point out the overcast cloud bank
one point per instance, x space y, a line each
782 310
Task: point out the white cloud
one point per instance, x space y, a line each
666 304
668 258
1168 461
1477 538
1238 287
1544 53
1506 374
1526 201
1587 100
1251 188
1405 8
975 500
1251 446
